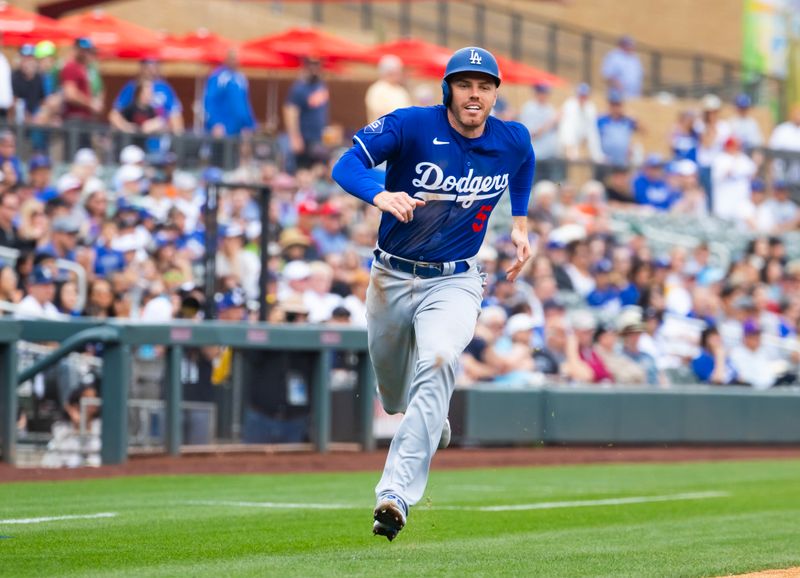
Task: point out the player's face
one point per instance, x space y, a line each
474 95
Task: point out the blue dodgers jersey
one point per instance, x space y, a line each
460 179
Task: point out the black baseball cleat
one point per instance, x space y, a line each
390 516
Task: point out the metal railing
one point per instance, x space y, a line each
191 150
119 338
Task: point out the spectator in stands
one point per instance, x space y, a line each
713 133
622 69
64 238
685 137
295 276
784 210
762 218
40 174
616 131
786 136
9 290
650 187
631 328
305 114
228 111
356 302
100 299
743 126
330 235
139 115
605 296
159 97
9 207
712 364
34 226
319 299
6 91
691 199
235 262
541 119
10 164
388 93
624 370
578 127
479 362
732 171
578 269
69 446
66 299
27 84
38 303
79 102
751 360
584 325
515 353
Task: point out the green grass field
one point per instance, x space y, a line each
702 519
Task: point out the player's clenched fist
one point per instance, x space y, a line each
399 204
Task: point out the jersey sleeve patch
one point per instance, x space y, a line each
374 127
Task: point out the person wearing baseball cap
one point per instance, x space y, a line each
162 98
541 119
743 126
388 92
577 128
27 83
622 69
731 174
41 289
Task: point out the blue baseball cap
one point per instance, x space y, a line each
542 87
758 185
473 59
84 43
615 97
583 89
230 299
654 160
41 276
743 101
212 175
27 50
602 266
39 162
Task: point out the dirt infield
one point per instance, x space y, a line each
282 462
788 573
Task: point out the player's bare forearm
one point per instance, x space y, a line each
519 236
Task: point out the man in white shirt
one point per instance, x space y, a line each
387 93
38 304
751 361
579 126
744 126
541 119
731 174
786 137
623 70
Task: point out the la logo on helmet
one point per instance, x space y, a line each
474 57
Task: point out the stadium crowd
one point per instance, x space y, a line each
599 303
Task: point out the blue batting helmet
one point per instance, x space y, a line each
469 59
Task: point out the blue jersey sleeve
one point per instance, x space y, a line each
382 139
519 185
172 103
353 176
125 96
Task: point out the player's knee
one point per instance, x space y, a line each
441 359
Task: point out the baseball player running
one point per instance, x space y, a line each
447 166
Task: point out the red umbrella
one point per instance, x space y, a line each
113 36
207 47
302 42
416 53
515 72
20 27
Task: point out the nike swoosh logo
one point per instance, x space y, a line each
440 142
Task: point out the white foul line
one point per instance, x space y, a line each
57 518
506 508
589 503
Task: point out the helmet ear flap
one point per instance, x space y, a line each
446 93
